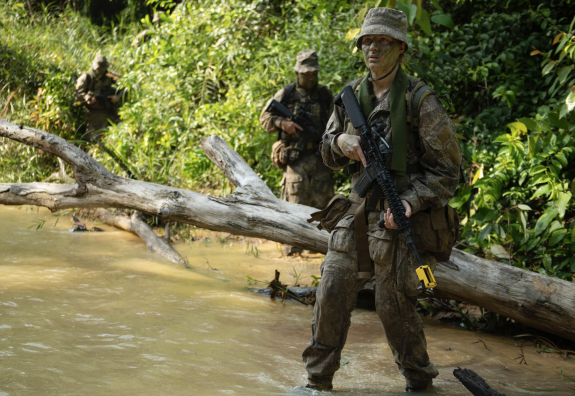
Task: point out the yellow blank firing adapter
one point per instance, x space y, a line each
425 277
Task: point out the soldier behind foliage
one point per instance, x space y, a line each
145 35
94 89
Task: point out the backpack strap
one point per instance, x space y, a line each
288 89
416 97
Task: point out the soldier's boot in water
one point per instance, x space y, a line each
320 383
418 385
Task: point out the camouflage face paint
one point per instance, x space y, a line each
307 80
380 53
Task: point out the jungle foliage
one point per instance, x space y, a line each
210 66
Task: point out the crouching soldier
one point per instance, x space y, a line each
306 180
425 166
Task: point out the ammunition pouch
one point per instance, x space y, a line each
286 152
435 231
328 217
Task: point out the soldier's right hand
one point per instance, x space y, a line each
349 145
91 100
290 127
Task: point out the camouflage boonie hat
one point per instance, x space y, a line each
384 21
100 62
306 61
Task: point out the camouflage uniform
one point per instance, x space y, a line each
306 181
436 151
90 84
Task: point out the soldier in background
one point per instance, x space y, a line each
144 35
306 180
94 89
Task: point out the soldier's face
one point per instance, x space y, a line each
307 80
100 71
380 52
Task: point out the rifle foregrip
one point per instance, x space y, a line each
395 205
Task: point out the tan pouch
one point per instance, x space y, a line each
280 155
436 231
332 213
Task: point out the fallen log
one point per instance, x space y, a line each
252 210
136 225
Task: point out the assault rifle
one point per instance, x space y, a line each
102 99
303 119
373 145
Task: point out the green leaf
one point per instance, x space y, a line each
510 97
536 169
529 123
351 33
543 125
406 10
436 4
570 101
557 236
499 251
484 232
519 126
524 221
444 20
564 72
532 141
556 121
561 158
548 67
545 220
544 189
425 23
561 202
524 207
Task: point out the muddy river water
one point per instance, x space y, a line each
97 314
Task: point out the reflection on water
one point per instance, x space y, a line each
96 313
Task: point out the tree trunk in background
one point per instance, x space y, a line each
252 210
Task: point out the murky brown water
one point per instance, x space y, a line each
97 314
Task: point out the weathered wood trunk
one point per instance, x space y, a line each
253 210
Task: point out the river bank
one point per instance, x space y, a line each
97 313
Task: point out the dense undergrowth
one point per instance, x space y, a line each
210 66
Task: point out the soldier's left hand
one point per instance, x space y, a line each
114 98
388 216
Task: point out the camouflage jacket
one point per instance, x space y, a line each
434 148
299 98
90 84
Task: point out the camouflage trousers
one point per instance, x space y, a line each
395 300
307 181
96 122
